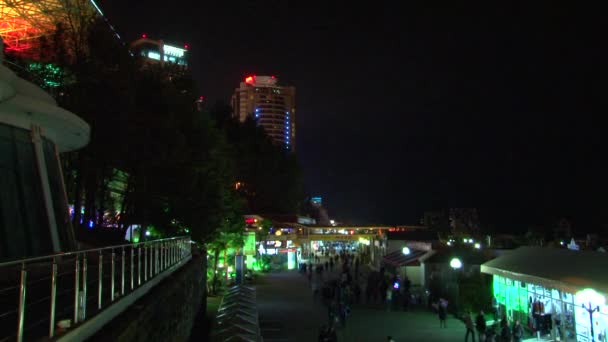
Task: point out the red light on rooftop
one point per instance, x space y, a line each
272 76
144 35
186 46
249 79
201 98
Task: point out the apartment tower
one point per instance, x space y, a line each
271 105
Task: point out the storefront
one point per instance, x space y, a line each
552 291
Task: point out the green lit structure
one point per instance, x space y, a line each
51 75
549 289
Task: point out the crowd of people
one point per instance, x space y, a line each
505 333
335 282
338 282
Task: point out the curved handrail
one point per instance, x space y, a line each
61 254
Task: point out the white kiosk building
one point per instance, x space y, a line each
558 293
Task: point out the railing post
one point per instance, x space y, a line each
145 263
113 273
180 249
84 287
122 273
156 258
162 256
100 282
173 252
76 287
53 298
138 265
22 293
132 266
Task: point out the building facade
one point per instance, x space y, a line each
271 105
157 52
34 219
559 294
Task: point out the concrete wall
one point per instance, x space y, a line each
166 313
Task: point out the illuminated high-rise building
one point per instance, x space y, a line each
271 105
156 51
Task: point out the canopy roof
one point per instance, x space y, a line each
562 269
398 259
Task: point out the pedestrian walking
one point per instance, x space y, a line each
490 334
389 299
480 325
505 332
468 322
518 332
442 312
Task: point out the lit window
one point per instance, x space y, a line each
154 55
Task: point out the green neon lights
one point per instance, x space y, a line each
51 75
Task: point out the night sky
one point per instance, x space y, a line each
406 109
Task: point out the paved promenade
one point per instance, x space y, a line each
288 313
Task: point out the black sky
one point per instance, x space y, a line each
402 109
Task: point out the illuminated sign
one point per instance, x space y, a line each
154 55
249 79
173 51
339 237
364 241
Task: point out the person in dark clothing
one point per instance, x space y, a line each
518 332
443 314
468 322
383 288
323 334
480 324
357 292
505 332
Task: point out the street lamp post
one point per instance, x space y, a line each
589 298
456 264
591 310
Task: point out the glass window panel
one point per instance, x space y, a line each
32 206
11 239
24 226
567 297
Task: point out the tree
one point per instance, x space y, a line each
270 176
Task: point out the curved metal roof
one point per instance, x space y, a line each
563 269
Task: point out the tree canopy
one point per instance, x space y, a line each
155 159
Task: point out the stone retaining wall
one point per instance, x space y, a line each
166 313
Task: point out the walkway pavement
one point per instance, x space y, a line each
286 309
287 313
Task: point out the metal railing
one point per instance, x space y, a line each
46 296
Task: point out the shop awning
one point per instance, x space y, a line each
562 269
398 259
